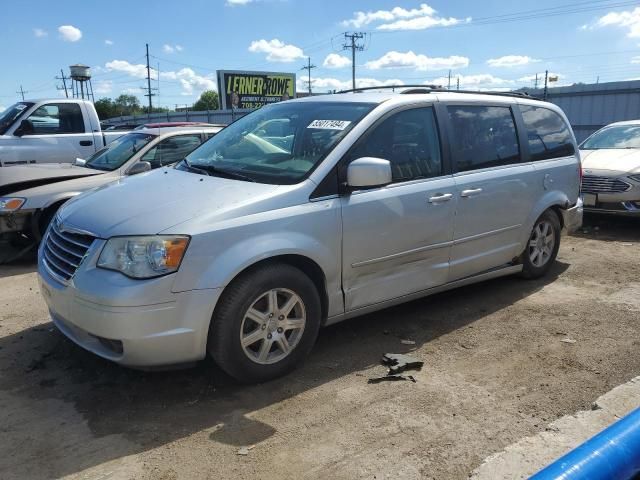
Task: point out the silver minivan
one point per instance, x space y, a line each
305 213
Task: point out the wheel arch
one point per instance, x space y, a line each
303 263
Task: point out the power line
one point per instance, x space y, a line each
353 37
64 83
308 68
22 92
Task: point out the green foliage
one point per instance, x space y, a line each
207 101
123 105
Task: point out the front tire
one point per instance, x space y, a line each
265 324
542 246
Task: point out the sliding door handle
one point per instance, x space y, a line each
441 197
470 192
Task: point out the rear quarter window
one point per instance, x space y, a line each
547 133
483 136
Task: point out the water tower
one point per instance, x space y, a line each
81 81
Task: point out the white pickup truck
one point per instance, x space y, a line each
51 131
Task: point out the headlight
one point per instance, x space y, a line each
635 177
11 204
144 256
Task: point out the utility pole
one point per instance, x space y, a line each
449 84
546 76
22 92
149 94
353 37
535 85
308 67
64 83
458 83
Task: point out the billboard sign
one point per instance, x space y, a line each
251 90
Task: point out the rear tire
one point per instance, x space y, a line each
265 324
542 246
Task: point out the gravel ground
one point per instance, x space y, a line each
496 370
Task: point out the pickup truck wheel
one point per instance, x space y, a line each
265 323
542 246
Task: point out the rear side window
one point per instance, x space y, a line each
171 150
548 134
409 140
57 118
483 136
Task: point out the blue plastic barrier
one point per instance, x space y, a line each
613 454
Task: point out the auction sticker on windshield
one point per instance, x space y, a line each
330 124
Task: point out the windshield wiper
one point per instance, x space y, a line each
195 169
210 169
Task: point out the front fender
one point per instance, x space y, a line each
313 231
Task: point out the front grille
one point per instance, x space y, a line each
595 184
64 251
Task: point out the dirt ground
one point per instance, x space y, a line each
495 371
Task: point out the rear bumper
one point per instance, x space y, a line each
572 217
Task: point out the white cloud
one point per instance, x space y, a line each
39 32
399 18
334 60
471 81
135 70
511 61
328 83
629 19
2 109
166 48
276 50
103 87
131 91
69 33
532 78
635 60
108 42
190 81
410 59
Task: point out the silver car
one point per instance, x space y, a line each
305 213
30 195
611 168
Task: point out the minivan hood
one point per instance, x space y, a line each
21 177
622 160
147 204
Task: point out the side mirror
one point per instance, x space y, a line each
139 167
80 162
367 172
25 128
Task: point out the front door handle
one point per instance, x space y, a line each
470 192
441 197
86 143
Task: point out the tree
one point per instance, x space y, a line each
127 105
207 101
105 108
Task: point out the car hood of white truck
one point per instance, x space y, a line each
21 177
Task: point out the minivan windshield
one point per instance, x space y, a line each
119 151
10 114
622 136
278 144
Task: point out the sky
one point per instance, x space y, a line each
487 44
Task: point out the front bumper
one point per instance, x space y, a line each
15 222
572 217
120 319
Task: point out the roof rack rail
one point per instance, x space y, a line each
393 87
413 89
